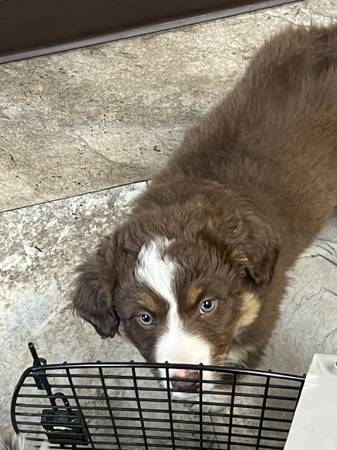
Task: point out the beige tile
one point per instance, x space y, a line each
97 117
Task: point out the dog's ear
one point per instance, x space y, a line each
94 290
256 249
247 241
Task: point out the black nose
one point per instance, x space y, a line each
190 382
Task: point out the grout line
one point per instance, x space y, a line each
97 191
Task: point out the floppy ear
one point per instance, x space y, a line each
94 286
256 249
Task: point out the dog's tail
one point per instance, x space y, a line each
18 442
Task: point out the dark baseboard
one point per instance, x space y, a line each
30 28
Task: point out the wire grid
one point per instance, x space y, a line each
129 406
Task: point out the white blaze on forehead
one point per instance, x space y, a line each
176 344
155 269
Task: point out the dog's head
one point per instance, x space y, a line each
181 283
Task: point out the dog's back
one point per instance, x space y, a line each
276 131
296 74
296 118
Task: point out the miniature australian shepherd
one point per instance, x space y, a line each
198 269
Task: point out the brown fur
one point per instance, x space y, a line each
243 195
193 295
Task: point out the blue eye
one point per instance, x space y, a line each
207 305
145 319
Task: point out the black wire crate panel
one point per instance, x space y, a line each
133 406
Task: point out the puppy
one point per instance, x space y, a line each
197 271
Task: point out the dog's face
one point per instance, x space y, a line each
181 287
183 304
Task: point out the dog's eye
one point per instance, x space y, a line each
207 305
145 319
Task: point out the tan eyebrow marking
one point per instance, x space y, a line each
250 308
150 303
193 295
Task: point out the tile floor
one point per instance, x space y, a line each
94 118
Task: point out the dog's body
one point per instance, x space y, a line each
197 271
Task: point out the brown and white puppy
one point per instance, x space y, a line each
197 271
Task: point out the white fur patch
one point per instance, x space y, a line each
155 269
176 345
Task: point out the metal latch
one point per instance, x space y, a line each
63 425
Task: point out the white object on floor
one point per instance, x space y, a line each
315 422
